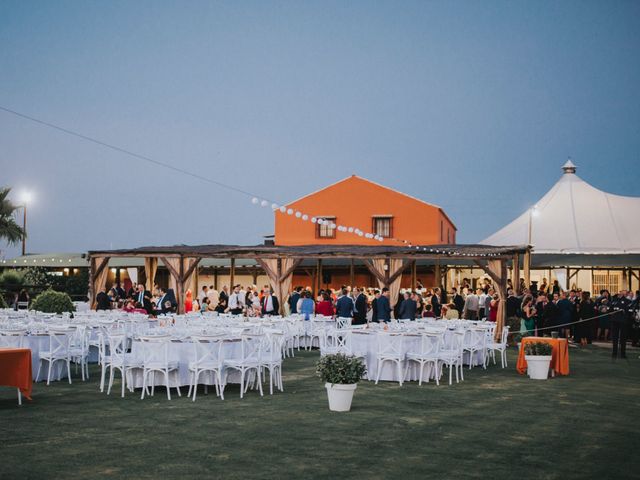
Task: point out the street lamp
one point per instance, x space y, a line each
25 198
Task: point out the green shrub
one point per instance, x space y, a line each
12 280
51 301
3 303
340 369
538 348
37 277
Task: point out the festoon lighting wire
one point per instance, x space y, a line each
255 199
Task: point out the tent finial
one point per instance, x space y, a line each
569 167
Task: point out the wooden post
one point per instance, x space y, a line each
526 267
215 278
387 263
254 276
414 275
438 279
232 274
515 274
319 270
566 283
181 298
351 274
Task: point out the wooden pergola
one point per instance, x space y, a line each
385 263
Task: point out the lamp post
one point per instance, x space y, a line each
25 198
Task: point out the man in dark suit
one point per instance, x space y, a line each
360 315
457 300
293 300
143 297
270 305
407 308
383 305
103 302
165 302
344 305
374 305
435 302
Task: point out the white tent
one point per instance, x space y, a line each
576 218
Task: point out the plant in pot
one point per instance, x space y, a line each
538 357
341 374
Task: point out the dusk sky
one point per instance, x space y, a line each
473 106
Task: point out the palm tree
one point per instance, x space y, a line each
9 229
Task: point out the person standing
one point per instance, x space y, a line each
586 311
270 304
203 293
374 305
236 301
344 305
360 314
383 307
407 308
565 312
435 302
143 297
293 300
551 315
103 302
307 305
457 300
621 307
471 307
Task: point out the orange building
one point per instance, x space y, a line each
366 206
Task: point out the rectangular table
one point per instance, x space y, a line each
559 354
15 369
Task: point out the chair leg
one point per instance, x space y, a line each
166 376
111 375
421 373
144 383
19 397
399 368
49 372
39 367
241 383
69 370
378 372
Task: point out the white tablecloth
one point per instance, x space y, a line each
183 353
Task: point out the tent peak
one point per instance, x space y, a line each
569 167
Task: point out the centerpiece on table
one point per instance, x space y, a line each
538 357
341 374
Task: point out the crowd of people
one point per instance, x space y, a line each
536 310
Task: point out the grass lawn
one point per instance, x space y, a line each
496 424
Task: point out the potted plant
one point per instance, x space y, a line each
341 374
538 357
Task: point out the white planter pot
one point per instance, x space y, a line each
340 396
538 366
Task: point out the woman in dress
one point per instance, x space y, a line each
586 311
325 307
528 316
493 308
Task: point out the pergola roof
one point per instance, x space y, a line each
317 251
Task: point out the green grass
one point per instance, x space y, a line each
496 424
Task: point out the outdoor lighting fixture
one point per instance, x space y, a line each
264 203
290 211
283 209
305 217
254 200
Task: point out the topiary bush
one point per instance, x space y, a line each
340 369
51 301
12 280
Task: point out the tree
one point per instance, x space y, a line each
10 231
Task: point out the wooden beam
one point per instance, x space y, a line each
373 271
172 271
289 270
352 276
215 278
103 264
526 267
232 273
515 275
397 273
319 274
438 274
414 275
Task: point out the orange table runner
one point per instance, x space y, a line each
15 369
559 354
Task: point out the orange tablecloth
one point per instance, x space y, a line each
15 369
559 354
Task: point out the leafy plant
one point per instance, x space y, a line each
538 348
3 303
12 280
51 301
10 231
37 277
340 369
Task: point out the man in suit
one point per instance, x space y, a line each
435 302
236 301
383 310
408 307
293 300
360 315
270 305
103 302
457 300
143 297
344 305
164 304
374 305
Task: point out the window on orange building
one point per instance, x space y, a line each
324 230
441 230
382 225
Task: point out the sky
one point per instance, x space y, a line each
473 106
